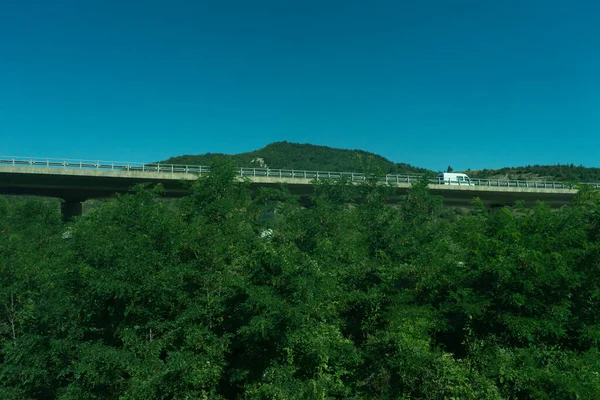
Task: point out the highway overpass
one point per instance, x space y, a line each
75 181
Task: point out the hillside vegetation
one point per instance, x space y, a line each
570 172
286 155
216 296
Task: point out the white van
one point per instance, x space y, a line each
450 178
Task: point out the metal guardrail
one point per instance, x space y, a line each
65 163
261 172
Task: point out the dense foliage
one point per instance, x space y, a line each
348 299
286 155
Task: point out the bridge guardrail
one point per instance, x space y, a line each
38 162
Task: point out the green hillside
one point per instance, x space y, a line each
571 172
286 155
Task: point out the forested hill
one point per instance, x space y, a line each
286 155
570 172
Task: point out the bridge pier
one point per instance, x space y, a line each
493 208
71 209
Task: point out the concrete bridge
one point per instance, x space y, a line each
75 181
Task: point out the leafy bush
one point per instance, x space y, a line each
349 298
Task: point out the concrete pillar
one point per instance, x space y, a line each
70 209
493 208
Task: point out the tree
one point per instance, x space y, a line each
350 297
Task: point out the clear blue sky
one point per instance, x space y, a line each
470 84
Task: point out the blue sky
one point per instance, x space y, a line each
471 84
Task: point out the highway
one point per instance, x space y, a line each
78 180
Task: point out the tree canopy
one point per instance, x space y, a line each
349 298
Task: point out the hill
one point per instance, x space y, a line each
558 172
286 155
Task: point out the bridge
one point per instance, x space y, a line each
75 181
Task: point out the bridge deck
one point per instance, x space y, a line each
78 184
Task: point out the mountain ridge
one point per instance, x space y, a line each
306 156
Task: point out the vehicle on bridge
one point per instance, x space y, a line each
449 178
